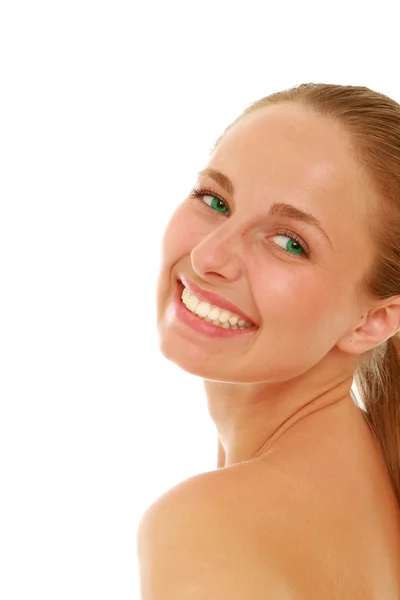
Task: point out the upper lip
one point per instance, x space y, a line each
213 298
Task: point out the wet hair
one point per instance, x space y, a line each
372 121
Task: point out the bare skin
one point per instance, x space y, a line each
292 376
323 494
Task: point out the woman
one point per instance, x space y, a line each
280 286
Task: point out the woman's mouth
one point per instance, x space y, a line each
218 316
206 318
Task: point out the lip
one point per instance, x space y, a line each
214 299
178 314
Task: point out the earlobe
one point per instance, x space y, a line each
381 324
354 344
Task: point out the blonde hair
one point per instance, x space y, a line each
373 123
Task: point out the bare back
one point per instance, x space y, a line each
326 502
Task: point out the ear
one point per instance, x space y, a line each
378 325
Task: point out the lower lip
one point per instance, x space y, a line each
201 326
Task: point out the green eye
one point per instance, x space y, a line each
290 246
213 201
216 203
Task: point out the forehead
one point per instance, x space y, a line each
288 137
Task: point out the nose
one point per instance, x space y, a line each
221 253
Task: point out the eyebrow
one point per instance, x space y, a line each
277 209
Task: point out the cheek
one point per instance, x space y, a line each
172 237
181 231
293 300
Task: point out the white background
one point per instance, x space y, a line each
107 110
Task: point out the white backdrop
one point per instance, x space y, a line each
107 111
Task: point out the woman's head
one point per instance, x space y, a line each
331 151
307 301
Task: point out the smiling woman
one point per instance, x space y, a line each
279 286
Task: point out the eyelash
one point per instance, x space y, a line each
198 192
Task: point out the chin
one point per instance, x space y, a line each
192 360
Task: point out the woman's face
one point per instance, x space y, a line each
302 304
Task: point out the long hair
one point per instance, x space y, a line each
373 122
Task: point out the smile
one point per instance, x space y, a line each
212 313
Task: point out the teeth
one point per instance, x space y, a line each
203 309
191 303
224 316
213 314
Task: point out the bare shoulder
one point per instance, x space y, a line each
258 529
191 545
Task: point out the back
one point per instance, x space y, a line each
324 514
314 517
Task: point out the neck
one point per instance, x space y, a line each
250 417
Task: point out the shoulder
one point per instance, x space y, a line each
195 543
